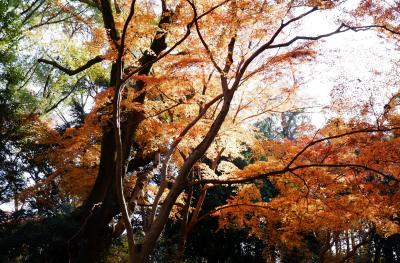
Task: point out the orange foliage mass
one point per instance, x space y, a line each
360 190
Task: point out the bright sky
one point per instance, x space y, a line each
356 65
350 68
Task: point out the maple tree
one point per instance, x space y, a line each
331 183
183 79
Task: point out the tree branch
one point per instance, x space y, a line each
55 105
261 49
187 33
341 29
229 56
119 161
171 150
108 20
229 206
72 72
286 170
336 137
210 55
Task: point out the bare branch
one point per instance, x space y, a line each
55 105
195 215
194 121
341 29
32 12
28 75
164 110
30 7
72 72
287 168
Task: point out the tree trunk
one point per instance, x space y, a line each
183 229
101 205
181 181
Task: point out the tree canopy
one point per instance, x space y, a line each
158 131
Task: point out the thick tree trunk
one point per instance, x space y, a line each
101 205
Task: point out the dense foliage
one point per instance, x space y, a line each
178 131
